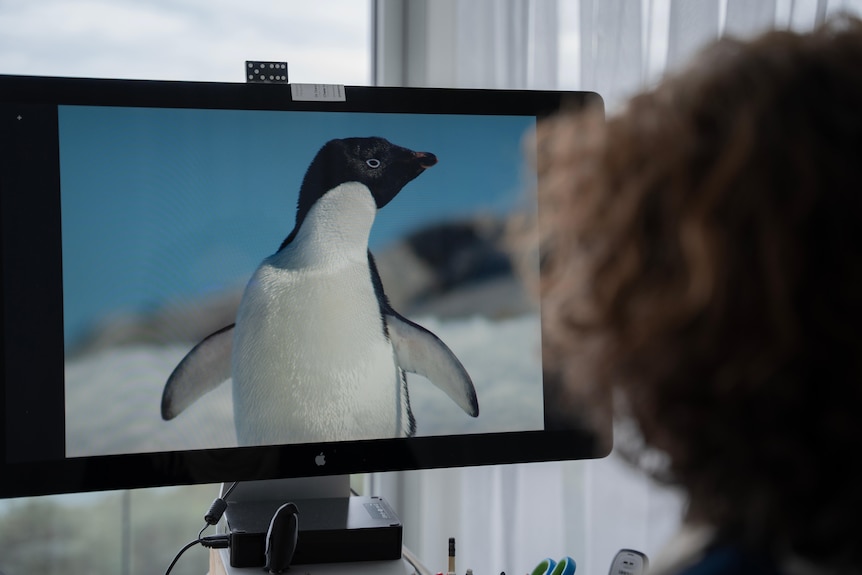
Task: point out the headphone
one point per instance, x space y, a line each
281 538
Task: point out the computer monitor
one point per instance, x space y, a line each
175 313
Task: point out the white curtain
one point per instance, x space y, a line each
614 47
466 44
508 518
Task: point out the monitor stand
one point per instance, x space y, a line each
365 527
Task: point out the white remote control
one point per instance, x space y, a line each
629 562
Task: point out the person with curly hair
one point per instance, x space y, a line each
702 268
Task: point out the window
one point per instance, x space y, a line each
323 42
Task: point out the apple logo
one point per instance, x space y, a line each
320 459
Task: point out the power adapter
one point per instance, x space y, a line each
331 530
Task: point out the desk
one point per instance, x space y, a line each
220 565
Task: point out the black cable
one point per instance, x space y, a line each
188 546
216 541
230 489
218 507
212 516
211 542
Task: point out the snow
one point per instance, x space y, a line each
113 397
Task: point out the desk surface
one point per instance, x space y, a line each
220 565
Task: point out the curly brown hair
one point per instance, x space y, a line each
702 257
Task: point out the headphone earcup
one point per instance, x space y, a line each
281 538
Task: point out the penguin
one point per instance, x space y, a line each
317 353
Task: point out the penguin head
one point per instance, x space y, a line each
379 164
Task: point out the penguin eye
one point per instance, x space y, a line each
373 163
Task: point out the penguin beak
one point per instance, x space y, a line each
426 159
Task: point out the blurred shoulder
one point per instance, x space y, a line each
695 551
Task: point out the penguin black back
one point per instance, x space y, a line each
375 162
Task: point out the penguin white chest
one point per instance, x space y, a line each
311 361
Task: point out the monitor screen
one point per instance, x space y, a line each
211 282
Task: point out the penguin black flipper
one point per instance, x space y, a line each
419 351
202 370
408 420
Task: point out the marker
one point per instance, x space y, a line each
451 556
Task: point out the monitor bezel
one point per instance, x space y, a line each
109 472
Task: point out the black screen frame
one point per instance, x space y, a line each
33 353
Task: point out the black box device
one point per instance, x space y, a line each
331 530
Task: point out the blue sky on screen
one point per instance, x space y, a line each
163 205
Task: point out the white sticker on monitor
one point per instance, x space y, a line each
317 93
